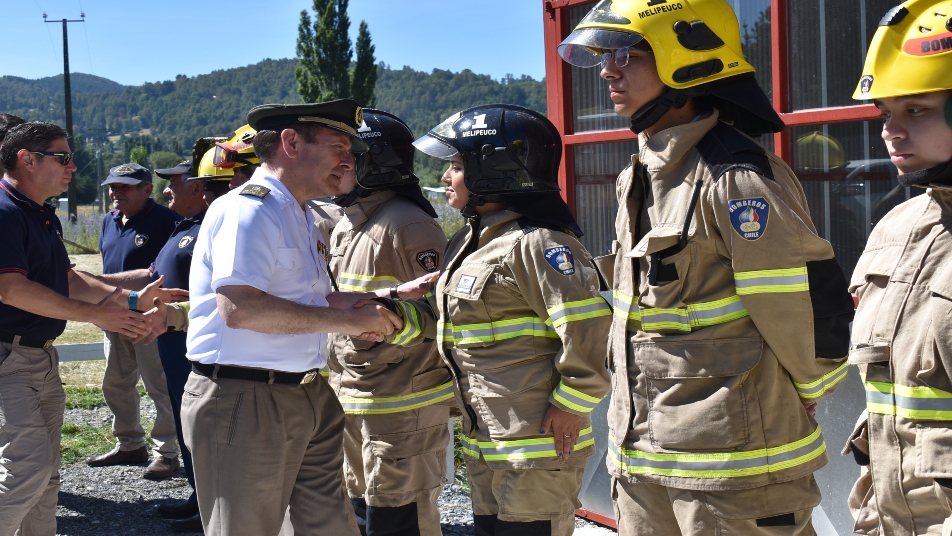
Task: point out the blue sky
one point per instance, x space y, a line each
136 41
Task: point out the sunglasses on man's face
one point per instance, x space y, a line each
63 158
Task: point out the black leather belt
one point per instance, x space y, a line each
30 343
254 374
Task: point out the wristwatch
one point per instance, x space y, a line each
394 295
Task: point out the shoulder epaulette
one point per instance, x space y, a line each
725 148
255 190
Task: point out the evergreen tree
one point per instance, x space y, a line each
365 71
324 51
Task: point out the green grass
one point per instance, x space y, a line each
83 332
84 397
458 461
82 382
83 440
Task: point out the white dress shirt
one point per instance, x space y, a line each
270 244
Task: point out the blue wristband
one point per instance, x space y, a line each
134 300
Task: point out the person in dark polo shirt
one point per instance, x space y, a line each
38 294
132 236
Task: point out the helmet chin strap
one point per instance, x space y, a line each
650 113
352 196
948 112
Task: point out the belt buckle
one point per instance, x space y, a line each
48 344
308 377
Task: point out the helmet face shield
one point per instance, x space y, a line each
435 147
584 47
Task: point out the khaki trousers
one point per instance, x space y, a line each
398 459
645 509
31 421
526 495
125 362
260 448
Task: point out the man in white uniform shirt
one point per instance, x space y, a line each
264 429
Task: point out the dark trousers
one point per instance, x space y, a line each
177 367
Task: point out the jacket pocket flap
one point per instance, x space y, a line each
430 379
880 262
657 240
863 355
511 380
942 284
933 445
605 267
409 444
469 280
698 359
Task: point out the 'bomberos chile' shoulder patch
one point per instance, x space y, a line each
749 216
561 259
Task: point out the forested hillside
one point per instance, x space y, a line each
166 117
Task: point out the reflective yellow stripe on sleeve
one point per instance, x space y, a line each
574 399
694 316
719 464
530 326
767 281
364 283
522 449
925 403
397 404
412 327
820 387
577 310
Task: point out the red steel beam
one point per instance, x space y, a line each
599 136
558 88
831 115
596 518
780 75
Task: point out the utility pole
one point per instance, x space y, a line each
71 192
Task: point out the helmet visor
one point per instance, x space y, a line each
432 143
227 156
584 47
435 147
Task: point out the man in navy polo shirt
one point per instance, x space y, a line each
132 236
38 294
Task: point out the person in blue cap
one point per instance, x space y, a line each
132 236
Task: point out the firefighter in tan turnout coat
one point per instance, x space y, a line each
520 321
730 313
902 336
396 400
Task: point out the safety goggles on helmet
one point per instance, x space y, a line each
590 47
227 156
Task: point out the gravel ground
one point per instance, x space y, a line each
117 501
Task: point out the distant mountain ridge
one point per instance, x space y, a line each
216 103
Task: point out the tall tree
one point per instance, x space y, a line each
324 50
365 71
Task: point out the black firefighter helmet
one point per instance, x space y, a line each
506 149
389 161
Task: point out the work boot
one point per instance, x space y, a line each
161 468
188 525
176 509
119 457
